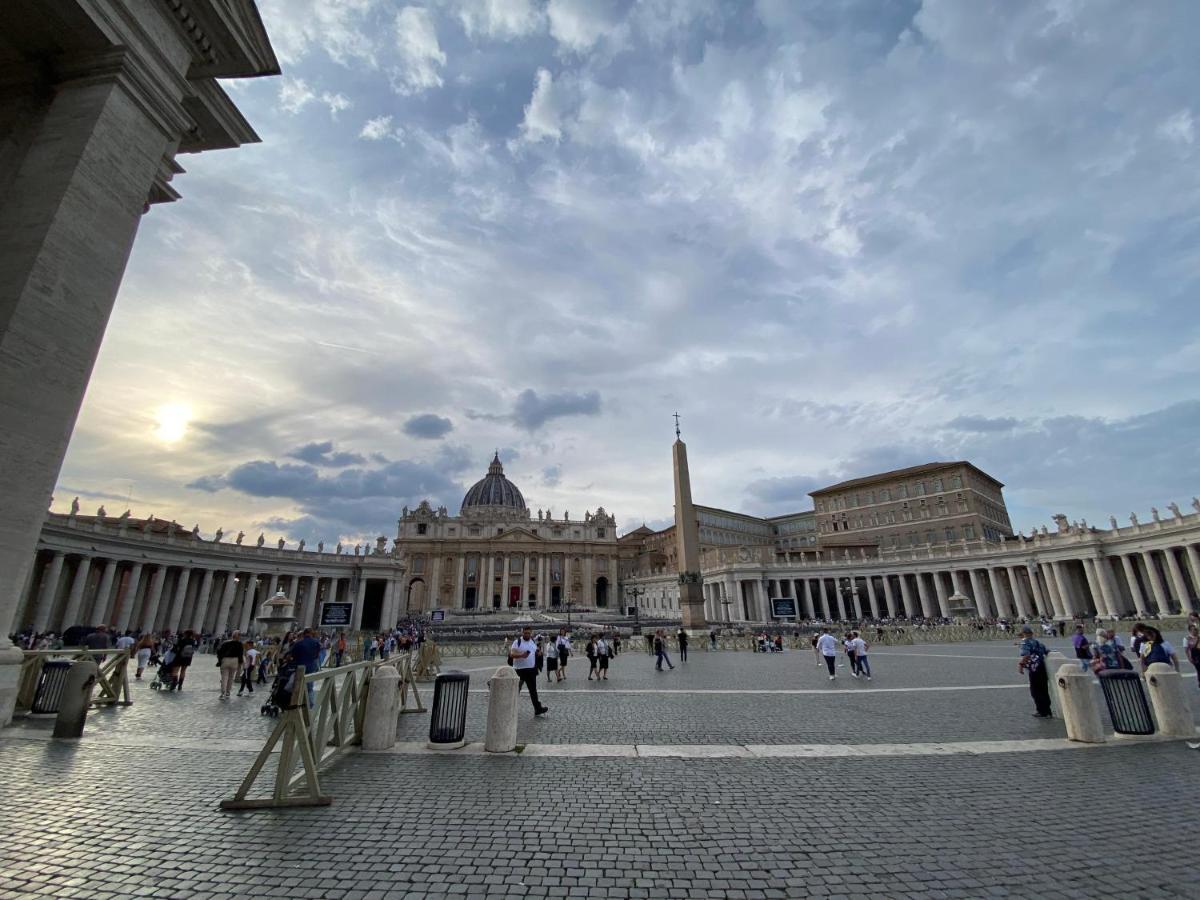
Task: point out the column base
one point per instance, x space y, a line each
11 658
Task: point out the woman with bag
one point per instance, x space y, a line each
590 650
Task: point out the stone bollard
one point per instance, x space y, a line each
502 711
1078 705
383 710
1055 660
1171 709
76 696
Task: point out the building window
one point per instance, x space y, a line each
949 534
901 491
599 532
969 532
451 530
418 565
475 531
956 482
884 496
422 528
930 537
937 485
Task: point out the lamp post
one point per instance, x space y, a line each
636 593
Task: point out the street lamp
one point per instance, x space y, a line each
636 593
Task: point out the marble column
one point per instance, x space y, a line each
154 597
927 609
1035 585
1093 583
389 613
360 600
202 601
48 593
71 614
488 588
1002 605
1066 594
1018 591
246 613
504 581
175 615
826 608
99 613
943 599
273 587
460 583
1156 583
1135 589
293 586
889 596
1056 602
1177 580
1193 564
871 598
526 565
221 624
128 601
977 594
1108 591
809 607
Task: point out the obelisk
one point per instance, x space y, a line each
687 541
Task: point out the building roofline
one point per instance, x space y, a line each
903 473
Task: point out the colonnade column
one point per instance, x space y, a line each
926 601
943 598
525 582
388 613
1035 585
889 595
504 581
1105 575
103 592
871 598
75 598
1056 601
222 621
48 593
1018 591
1135 589
175 611
1093 581
1066 594
460 582
154 593
977 590
202 601
1002 605
360 599
1181 590
806 590
246 608
1194 564
906 595
129 598
1156 584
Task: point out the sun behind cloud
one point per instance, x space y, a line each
172 422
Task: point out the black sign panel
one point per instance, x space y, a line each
336 614
438 615
783 607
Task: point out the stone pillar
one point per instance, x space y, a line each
200 612
1002 605
433 596
687 541
927 609
1020 597
871 598
489 586
1193 564
1072 607
977 594
809 607
103 593
221 624
153 597
360 600
175 616
48 593
1035 585
1135 590
526 563
293 588
906 595
246 610
1156 583
507 563
461 581
1056 601
1181 588
1107 590
74 198
128 601
943 598
273 586
1093 582
75 598
890 596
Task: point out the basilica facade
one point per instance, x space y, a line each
495 554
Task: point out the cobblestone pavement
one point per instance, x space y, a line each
98 819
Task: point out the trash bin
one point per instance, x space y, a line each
1127 704
448 717
50 686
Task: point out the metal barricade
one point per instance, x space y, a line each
1127 704
51 681
448 720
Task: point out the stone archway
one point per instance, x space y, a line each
601 592
417 596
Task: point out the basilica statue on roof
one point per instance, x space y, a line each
495 555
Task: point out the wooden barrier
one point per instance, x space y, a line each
112 683
408 686
311 738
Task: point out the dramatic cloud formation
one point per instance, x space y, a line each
836 237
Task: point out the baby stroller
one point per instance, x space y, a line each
165 676
280 696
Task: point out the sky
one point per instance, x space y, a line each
835 237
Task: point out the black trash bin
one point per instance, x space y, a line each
51 682
448 718
1128 706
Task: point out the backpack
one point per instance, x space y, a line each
187 651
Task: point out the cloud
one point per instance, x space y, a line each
294 95
500 18
532 411
1179 127
428 426
578 25
982 423
337 102
322 454
544 112
552 475
420 57
380 127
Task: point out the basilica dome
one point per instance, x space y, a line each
494 490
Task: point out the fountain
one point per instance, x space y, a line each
276 615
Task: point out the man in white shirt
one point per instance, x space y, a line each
827 647
125 641
860 648
523 654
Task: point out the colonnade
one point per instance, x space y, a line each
582 578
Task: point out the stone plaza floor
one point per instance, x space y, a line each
735 775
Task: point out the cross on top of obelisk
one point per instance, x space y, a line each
677 425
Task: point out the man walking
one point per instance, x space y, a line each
1033 661
827 648
229 661
682 637
523 654
660 650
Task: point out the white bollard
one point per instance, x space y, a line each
1055 660
76 695
383 710
502 711
1171 709
1079 708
